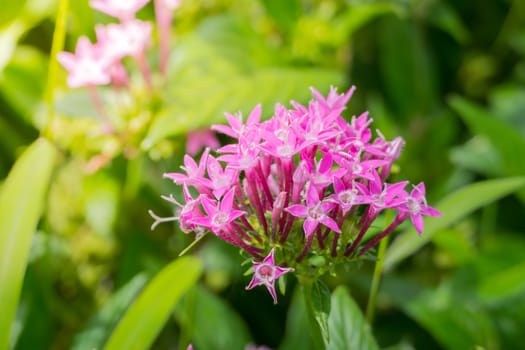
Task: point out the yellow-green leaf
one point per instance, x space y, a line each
21 204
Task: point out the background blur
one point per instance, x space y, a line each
446 75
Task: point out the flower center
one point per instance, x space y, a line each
413 205
347 197
315 213
219 219
265 272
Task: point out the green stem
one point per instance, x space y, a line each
59 38
378 272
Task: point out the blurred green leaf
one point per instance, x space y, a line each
408 72
27 64
145 318
210 322
503 284
358 14
284 13
453 207
226 67
101 202
21 204
97 330
443 16
11 10
296 322
456 322
508 104
348 328
8 39
478 155
267 86
507 140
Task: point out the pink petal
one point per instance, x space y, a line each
297 210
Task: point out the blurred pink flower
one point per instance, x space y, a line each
124 39
124 10
87 66
199 139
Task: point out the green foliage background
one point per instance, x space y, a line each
448 76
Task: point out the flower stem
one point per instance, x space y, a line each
59 37
376 280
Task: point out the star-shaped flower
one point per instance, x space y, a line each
266 273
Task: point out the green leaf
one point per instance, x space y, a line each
227 67
453 207
457 321
284 13
210 322
145 318
296 322
406 67
240 92
98 329
507 140
320 299
348 328
503 284
21 203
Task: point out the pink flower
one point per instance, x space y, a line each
87 66
266 273
219 215
416 206
118 40
199 139
315 212
124 10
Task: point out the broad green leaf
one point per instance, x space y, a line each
21 203
348 328
97 330
509 143
147 315
210 323
453 207
296 322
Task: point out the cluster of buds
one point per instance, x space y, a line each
301 185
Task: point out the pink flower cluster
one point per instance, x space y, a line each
288 184
101 63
